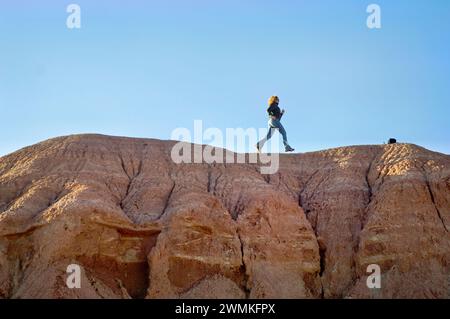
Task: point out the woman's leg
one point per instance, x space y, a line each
266 138
284 134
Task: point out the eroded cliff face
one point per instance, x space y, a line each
142 226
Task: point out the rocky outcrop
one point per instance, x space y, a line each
141 226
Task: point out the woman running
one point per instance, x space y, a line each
275 115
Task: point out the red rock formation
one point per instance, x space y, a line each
142 226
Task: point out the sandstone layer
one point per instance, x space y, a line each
141 226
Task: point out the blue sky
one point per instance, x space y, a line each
144 68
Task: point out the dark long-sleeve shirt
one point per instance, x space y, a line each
274 110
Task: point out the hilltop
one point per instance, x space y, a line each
140 225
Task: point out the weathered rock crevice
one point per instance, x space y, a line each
167 201
244 285
370 189
430 192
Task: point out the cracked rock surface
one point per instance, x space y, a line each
141 226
